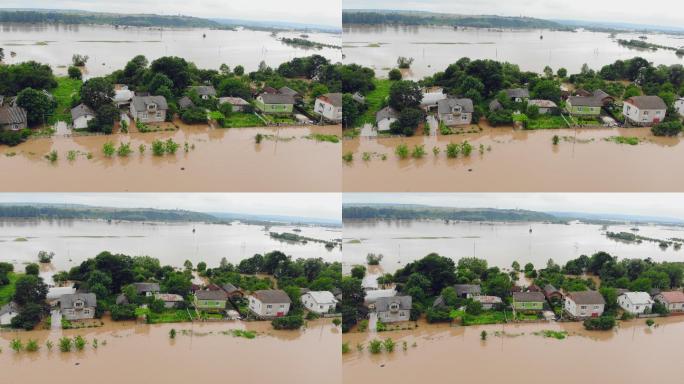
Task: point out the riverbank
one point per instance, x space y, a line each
518 160
214 160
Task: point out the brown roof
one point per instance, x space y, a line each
673 296
272 296
586 297
528 296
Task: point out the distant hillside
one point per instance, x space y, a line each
271 219
418 212
375 17
85 17
277 25
47 211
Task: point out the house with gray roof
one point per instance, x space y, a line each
78 306
644 110
528 301
12 118
149 109
635 303
319 301
269 303
454 111
289 91
584 304
393 309
81 115
467 291
210 300
185 103
275 103
385 117
147 289
8 312
205 92
544 106
232 291
517 94
239 104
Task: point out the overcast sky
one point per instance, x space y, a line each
660 12
312 205
648 204
326 12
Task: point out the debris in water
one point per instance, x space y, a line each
470 169
182 168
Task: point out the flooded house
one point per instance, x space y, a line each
122 95
517 95
232 291
545 106
238 104
489 302
171 300
205 92
78 306
8 312
644 110
584 304
291 92
467 291
431 97
185 103
679 106
636 303
149 109
373 295
673 300
552 294
81 115
393 309
329 107
12 118
210 301
385 117
274 103
528 301
588 104
147 289
319 301
269 303
455 111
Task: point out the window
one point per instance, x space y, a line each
269 306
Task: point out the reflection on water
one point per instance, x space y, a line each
201 353
499 243
632 353
521 160
111 48
222 160
434 48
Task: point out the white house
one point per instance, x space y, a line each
149 109
319 301
329 106
673 301
635 302
8 312
453 111
81 115
269 303
373 295
679 106
583 304
78 306
644 110
122 95
431 96
385 117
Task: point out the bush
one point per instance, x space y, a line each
65 344
194 115
437 315
108 149
389 345
32 269
375 346
288 322
452 150
75 73
122 312
394 74
667 128
418 151
158 148
602 323
650 322
402 151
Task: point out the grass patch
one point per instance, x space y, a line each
280 119
631 140
242 333
546 122
241 120
7 290
323 137
20 239
559 335
168 316
486 317
66 89
374 101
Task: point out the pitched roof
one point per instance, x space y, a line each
210 295
12 115
204 90
238 101
141 102
585 101
495 105
542 103
488 299
169 297
332 98
185 102
472 289
638 297
673 296
270 98
322 297
445 106
549 289
586 297
517 92
601 94
272 296
374 294
67 301
386 113
9 307
383 303
81 110
528 296
288 91
647 102
229 288
146 287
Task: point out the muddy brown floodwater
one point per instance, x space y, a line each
633 353
520 160
226 160
140 353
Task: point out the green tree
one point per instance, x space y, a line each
32 269
74 73
358 271
394 74
38 105
405 94
30 289
97 92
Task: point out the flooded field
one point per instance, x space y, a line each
130 352
633 353
55 44
74 241
216 160
520 160
499 243
434 48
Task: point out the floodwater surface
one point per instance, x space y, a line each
201 352
217 160
585 160
74 241
633 353
401 242
434 48
110 48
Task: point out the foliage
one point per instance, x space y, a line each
667 128
288 322
394 74
602 323
39 105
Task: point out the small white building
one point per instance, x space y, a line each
635 302
8 312
78 306
149 109
269 303
122 95
239 104
679 106
319 301
171 300
385 117
673 300
488 302
81 115
584 304
329 106
644 110
431 96
545 106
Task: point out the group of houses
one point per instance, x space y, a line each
12 117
